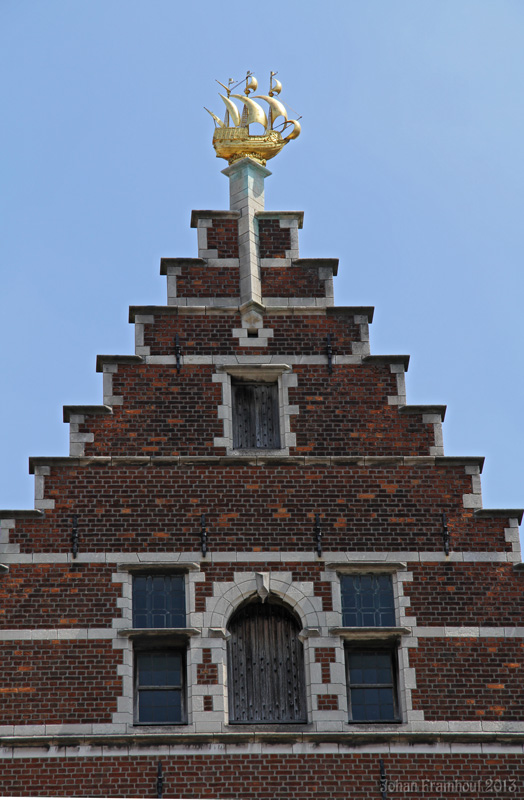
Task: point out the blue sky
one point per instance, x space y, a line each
410 169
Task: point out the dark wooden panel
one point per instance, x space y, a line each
255 415
265 666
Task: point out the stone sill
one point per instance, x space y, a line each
361 738
370 634
366 566
156 633
160 566
258 455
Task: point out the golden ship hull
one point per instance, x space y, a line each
235 143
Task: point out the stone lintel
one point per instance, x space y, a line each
69 411
101 360
160 566
394 359
165 263
357 567
207 214
414 409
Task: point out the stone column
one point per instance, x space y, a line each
246 193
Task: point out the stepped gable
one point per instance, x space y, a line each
257 459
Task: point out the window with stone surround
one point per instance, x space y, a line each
255 408
159 614
371 637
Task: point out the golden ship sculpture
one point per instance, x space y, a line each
232 139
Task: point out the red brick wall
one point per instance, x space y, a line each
273 240
465 594
163 414
294 281
208 282
202 334
157 506
348 413
58 595
59 681
170 414
469 679
320 776
223 236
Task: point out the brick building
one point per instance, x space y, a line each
257 575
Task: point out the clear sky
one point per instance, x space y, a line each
410 169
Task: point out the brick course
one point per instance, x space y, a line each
58 595
154 506
273 240
55 682
275 776
469 679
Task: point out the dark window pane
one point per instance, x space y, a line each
160 707
371 685
159 601
159 687
367 601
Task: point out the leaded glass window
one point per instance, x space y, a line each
159 601
371 683
367 601
160 690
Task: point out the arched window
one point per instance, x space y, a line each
265 666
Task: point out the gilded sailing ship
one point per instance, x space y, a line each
232 139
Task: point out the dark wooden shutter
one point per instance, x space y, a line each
265 666
255 415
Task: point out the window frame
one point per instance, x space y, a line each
165 646
373 648
283 377
373 638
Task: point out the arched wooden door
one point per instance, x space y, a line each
265 666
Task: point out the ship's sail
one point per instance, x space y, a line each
255 113
277 108
217 119
233 110
296 130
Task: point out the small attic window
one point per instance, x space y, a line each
252 333
255 415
